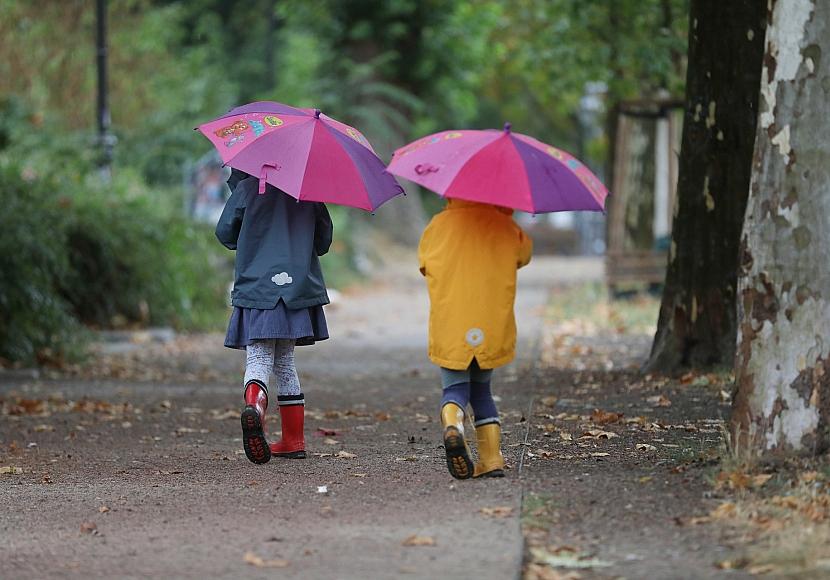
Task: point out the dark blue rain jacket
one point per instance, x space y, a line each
277 241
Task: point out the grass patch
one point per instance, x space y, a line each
589 309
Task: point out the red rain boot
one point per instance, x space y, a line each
292 413
253 423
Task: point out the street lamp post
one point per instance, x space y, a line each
106 140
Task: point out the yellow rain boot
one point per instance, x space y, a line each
490 460
458 454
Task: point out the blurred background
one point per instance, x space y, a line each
109 196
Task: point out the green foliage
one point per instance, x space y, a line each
34 318
105 256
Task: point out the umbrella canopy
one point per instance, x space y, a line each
500 168
303 152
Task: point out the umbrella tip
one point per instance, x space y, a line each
507 127
316 113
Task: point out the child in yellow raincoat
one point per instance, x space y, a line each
470 253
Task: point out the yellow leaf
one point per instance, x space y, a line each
497 512
254 560
416 540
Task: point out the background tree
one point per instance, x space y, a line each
697 326
783 364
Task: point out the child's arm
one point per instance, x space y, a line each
230 222
525 249
323 229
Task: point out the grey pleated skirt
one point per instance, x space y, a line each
305 325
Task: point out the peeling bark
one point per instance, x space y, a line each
783 348
697 324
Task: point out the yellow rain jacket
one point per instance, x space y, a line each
470 253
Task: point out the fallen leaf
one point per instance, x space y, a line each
42 428
497 512
381 416
760 480
330 441
11 470
724 510
601 417
762 569
659 401
254 560
549 401
103 509
645 447
567 559
598 434
344 455
565 436
600 454
358 474
326 432
736 564
322 489
89 528
416 540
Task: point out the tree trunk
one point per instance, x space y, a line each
697 324
782 402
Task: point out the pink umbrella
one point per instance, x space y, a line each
500 168
307 154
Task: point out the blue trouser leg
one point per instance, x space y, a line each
456 386
484 407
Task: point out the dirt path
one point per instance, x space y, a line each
152 460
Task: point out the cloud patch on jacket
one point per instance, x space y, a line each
281 279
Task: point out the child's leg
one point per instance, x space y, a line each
259 360
481 398
488 430
291 401
456 396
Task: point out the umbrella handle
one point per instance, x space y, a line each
263 175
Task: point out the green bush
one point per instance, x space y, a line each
34 319
74 251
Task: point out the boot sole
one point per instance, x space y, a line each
494 473
459 463
290 454
253 437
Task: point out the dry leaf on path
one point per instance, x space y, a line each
724 510
600 454
344 455
89 528
330 441
11 470
565 436
325 431
103 509
598 434
416 540
659 401
601 417
645 447
497 512
549 401
254 560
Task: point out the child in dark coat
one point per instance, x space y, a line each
278 299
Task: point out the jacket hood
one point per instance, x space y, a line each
455 203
